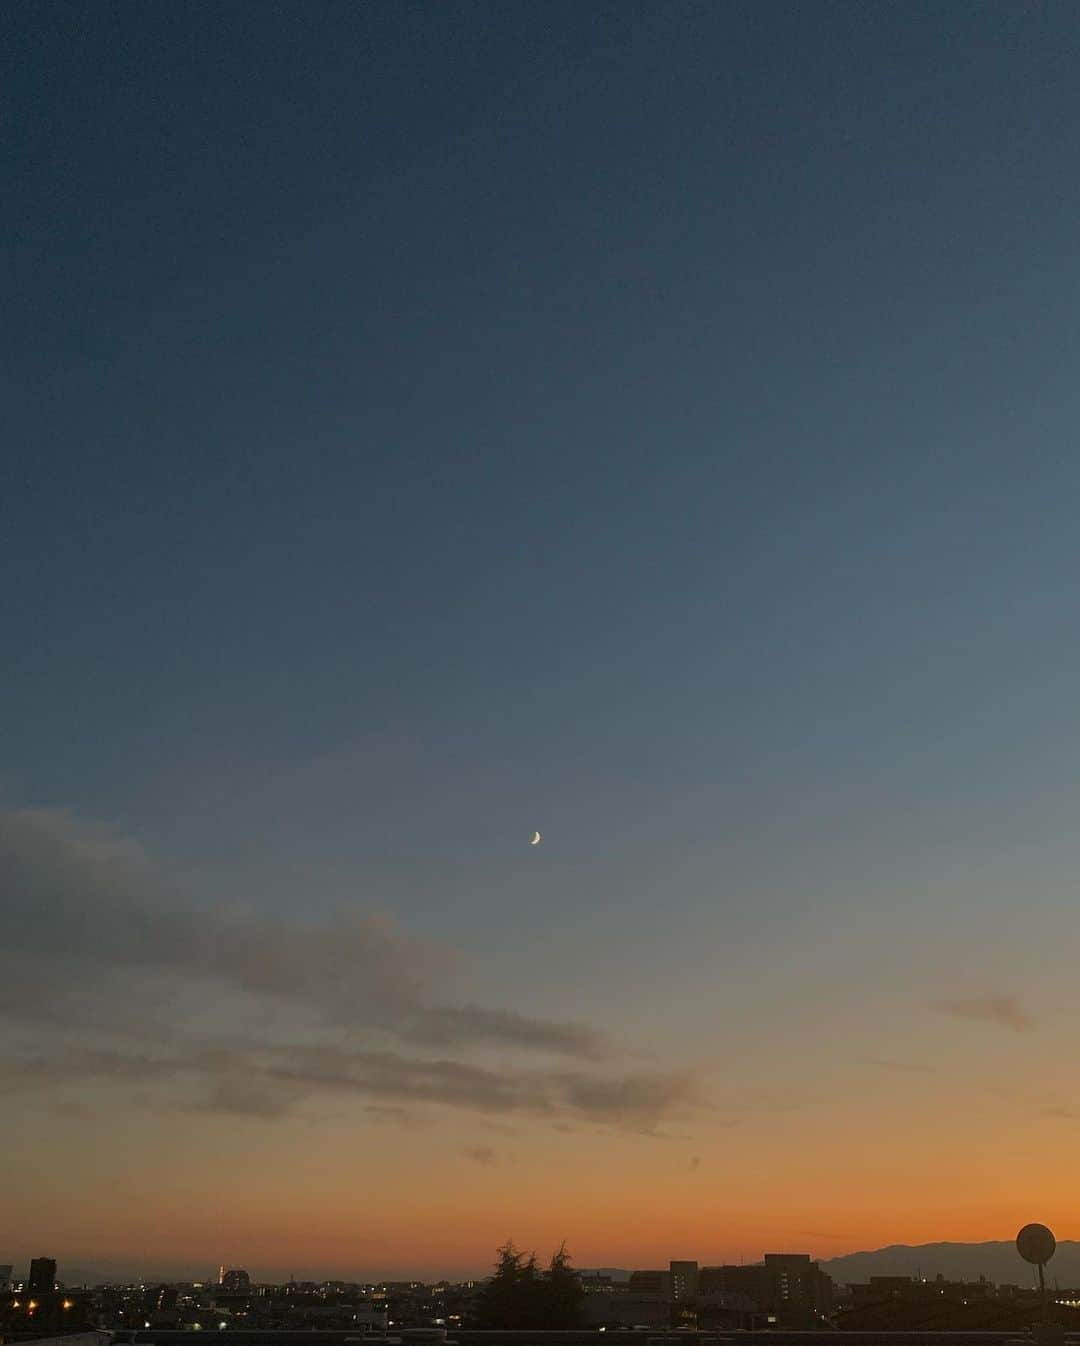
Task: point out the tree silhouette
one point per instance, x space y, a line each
564 1294
520 1296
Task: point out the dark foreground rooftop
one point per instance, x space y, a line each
256 1337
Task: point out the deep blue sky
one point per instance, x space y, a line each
630 418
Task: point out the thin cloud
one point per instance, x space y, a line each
249 1097
634 1101
270 1082
103 949
641 1101
1003 1011
479 1154
472 1023
77 894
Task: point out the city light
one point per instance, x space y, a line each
788 1291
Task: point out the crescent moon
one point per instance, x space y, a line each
536 839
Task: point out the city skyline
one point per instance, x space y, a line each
949 1262
954 1261
781 1292
650 428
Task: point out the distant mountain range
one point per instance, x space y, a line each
998 1262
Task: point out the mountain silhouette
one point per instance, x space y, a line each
998 1262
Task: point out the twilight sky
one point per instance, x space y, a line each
655 424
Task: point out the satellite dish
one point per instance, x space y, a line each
1035 1243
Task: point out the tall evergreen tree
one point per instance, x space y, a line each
520 1296
508 1300
564 1294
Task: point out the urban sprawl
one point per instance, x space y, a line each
783 1291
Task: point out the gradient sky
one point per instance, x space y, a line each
655 424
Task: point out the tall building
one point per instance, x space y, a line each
786 1287
42 1278
684 1281
802 1288
236 1281
5 1279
